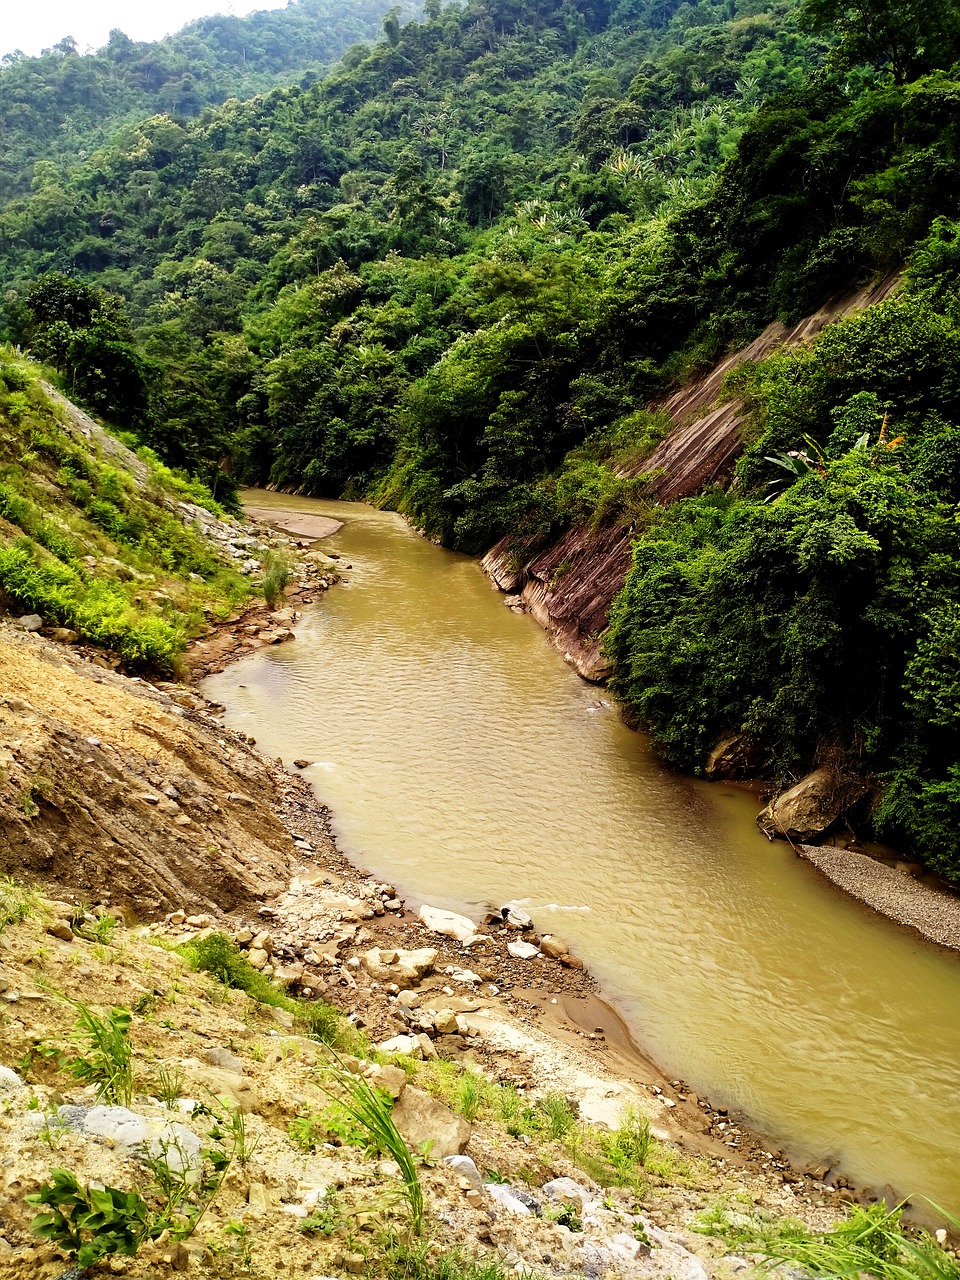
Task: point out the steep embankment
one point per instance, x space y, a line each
129 794
570 585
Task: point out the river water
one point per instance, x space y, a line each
466 763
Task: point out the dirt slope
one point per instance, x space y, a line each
126 793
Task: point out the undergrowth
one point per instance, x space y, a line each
88 547
871 1242
220 956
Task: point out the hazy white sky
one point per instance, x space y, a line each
32 25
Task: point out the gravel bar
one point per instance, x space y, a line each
934 913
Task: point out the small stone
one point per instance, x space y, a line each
355 1263
30 622
60 929
10 1081
177 917
553 947
300 763
258 1198
446 1022
571 962
466 1168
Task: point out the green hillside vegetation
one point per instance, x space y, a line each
62 105
452 276
91 546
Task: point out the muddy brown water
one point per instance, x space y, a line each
465 762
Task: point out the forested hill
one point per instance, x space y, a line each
64 104
453 274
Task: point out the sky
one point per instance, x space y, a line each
32 25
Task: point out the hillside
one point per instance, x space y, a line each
463 275
58 108
199 1042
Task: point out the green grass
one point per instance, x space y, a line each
371 1109
220 956
871 1242
17 902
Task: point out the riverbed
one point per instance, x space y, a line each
465 762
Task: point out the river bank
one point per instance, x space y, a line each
182 816
570 1005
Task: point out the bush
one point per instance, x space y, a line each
220 956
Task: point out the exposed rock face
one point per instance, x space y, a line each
809 808
569 586
736 755
92 761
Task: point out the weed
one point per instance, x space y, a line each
53 1131
107 1057
233 1126
102 929
170 1082
90 1223
631 1144
306 1132
565 1215
423 1261
220 956
559 1115
241 1234
470 1098
275 578
872 1242
371 1109
325 1218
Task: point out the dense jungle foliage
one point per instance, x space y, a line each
63 105
453 274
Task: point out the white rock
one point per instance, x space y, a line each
466 1169
408 1045
516 916
448 923
522 950
567 1191
506 1199
463 975
9 1081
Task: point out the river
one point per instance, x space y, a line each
466 763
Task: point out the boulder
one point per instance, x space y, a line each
508 1199
735 755
174 1142
810 807
409 1046
10 1081
222 1084
466 1168
392 1080
567 1191
448 923
403 968
423 1120
516 917
553 947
